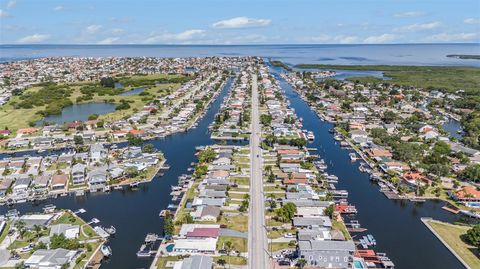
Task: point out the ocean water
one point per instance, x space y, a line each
397 54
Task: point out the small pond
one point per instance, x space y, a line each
79 112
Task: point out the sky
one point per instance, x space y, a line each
239 21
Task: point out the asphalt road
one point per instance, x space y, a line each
257 238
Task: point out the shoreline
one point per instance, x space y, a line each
427 224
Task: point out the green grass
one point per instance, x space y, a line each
20 118
240 180
451 234
341 227
279 246
238 223
162 261
233 260
239 244
450 78
280 232
5 231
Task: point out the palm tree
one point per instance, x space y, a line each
20 226
37 229
228 246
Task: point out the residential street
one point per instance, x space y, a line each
257 241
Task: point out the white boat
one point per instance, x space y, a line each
106 251
111 230
310 135
101 232
353 156
49 208
337 137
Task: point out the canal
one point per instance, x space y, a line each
135 213
395 225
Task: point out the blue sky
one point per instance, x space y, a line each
238 22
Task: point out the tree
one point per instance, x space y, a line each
60 241
134 140
473 236
131 171
93 117
221 262
78 140
286 212
301 262
329 211
207 155
107 82
266 119
389 116
471 173
148 148
168 226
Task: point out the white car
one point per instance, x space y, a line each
289 235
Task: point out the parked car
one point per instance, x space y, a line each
288 235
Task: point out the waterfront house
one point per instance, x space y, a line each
5 185
358 135
208 213
195 262
309 222
20 187
59 183
97 179
466 194
207 202
326 253
186 246
209 193
40 183
50 258
36 219
68 230
415 179
97 153
18 143
320 233
78 173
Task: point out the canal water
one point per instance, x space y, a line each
395 225
453 127
135 213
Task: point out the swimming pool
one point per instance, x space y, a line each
169 248
358 264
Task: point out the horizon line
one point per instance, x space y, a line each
262 44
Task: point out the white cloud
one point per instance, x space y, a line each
385 38
472 21
109 40
4 14
58 8
12 3
94 28
418 27
36 38
446 37
409 14
181 37
241 22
